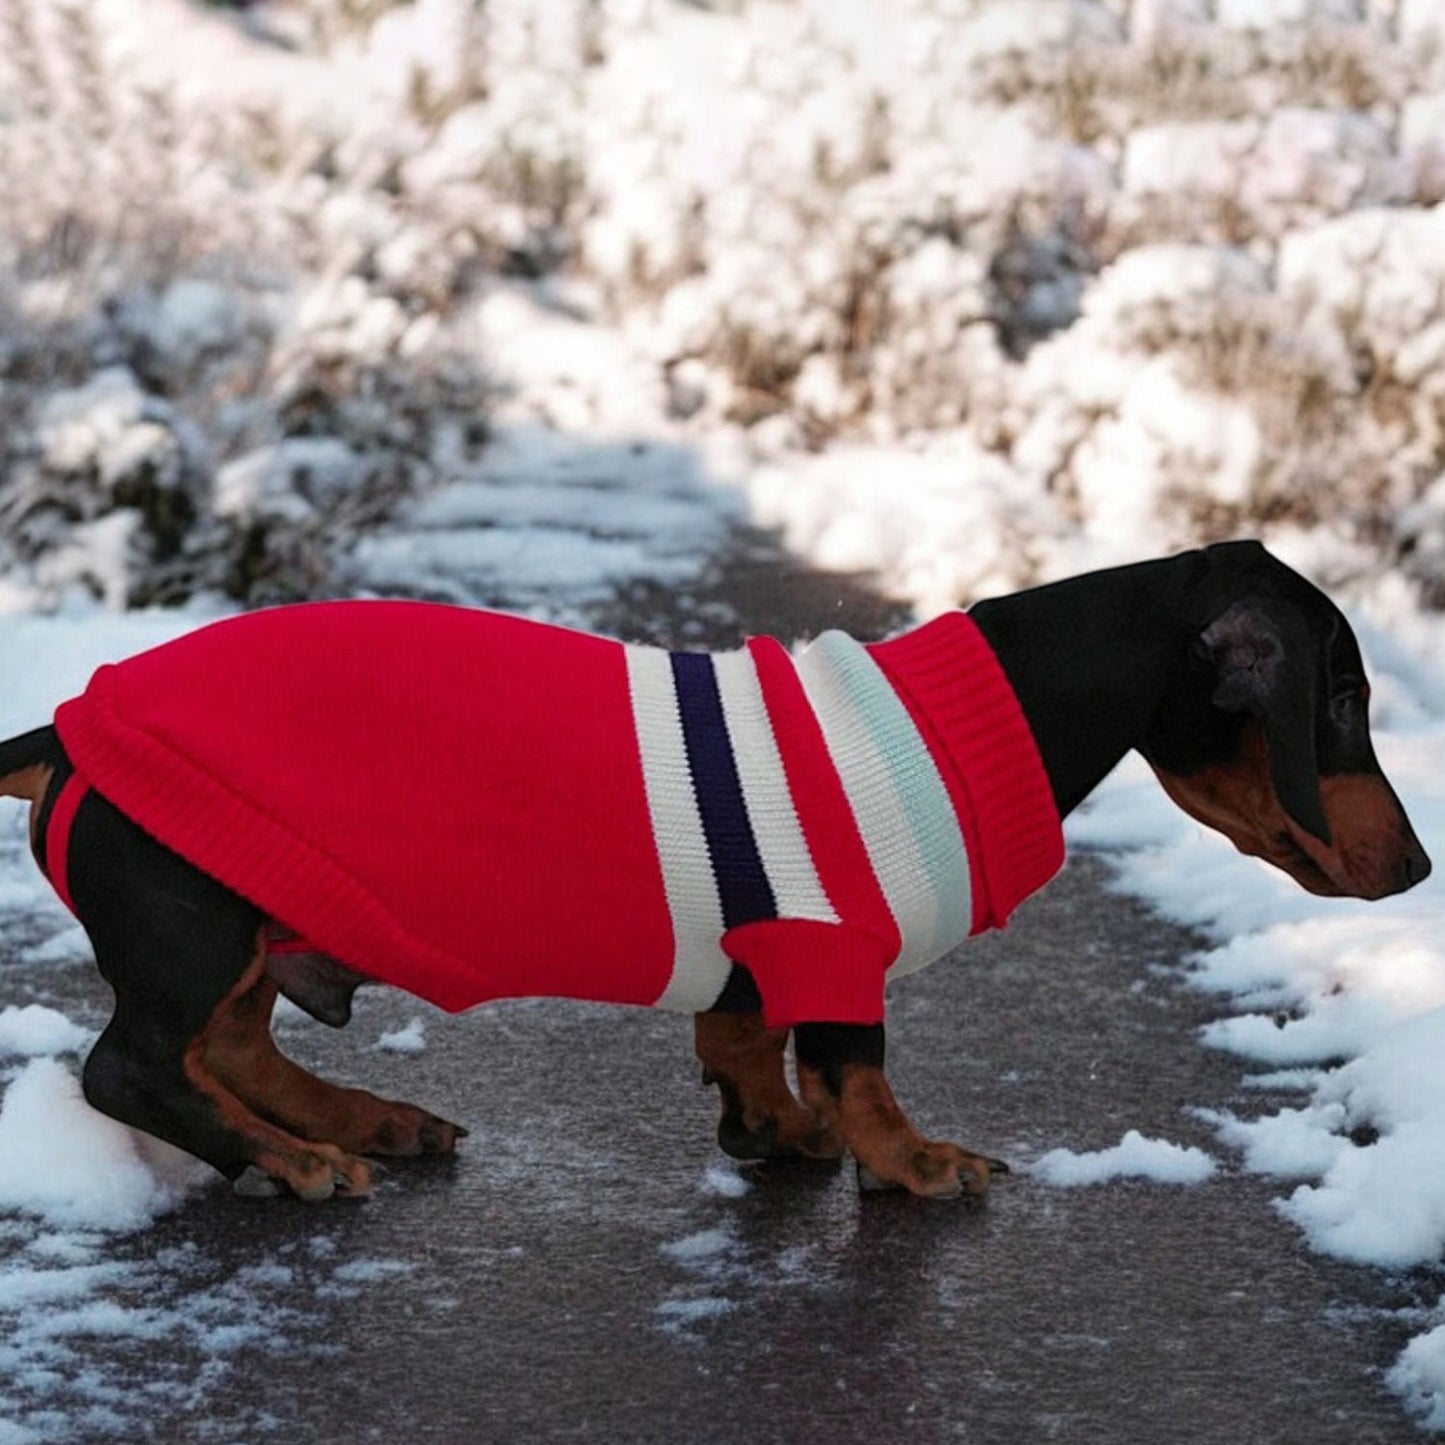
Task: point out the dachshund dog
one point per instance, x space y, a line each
759 838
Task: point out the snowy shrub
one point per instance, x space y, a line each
204 315
1372 285
1251 181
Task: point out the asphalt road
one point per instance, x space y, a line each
590 1268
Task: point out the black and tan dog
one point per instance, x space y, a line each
1239 682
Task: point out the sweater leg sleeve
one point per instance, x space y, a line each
812 972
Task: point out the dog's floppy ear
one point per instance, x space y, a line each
1264 666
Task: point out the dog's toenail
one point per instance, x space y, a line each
870 1183
255 1183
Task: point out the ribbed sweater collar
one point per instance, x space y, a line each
959 698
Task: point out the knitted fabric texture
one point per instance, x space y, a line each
473 806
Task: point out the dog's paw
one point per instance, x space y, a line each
439 1136
310 1174
405 1131
788 1131
935 1171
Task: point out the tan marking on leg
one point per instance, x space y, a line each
312 1171
29 784
241 1052
759 1110
879 1135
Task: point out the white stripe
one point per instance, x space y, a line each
787 861
901 804
700 967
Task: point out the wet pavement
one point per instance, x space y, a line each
591 1268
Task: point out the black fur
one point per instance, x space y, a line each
172 943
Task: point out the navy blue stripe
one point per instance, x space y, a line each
742 882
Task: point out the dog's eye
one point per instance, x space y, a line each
1349 701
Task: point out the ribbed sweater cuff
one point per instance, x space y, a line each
957 694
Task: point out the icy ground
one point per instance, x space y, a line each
528 304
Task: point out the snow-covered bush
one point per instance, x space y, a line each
224 357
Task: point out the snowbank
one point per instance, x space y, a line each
75 1169
813 222
35 1030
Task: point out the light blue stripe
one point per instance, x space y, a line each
946 915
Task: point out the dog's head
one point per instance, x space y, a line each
1264 731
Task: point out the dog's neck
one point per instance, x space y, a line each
1089 660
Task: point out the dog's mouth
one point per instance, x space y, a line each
1289 857
1361 862
1373 853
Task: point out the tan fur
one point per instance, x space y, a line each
746 1058
241 1054
882 1139
311 1170
1237 798
28 784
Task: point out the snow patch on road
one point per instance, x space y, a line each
409 1039
71 1167
706 1244
35 1030
1417 1375
730 1183
721 1272
1133 1157
177 1323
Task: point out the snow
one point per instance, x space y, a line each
34 1030
76 1169
176 1325
525 303
718 1271
699 1246
1417 1374
1133 1157
728 1183
696 1310
409 1039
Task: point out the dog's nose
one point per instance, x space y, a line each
1414 867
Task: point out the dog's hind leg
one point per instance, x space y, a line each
241 1053
761 1119
178 949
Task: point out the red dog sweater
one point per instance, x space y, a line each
473 806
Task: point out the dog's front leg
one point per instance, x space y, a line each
760 1117
840 1073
